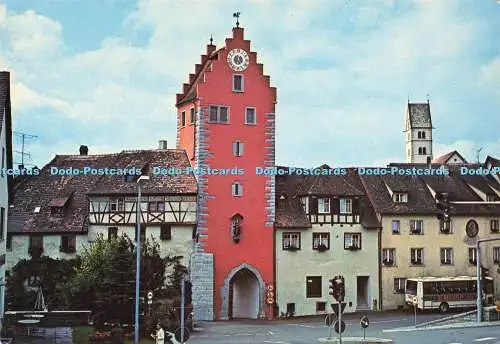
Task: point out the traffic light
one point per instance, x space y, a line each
337 288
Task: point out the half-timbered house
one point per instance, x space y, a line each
59 214
325 226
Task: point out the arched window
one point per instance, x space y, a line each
236 221
419 150
424 150
423 134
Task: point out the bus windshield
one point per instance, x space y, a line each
411 287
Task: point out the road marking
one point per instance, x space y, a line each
270 332
302 325
484 339
455 343
267 341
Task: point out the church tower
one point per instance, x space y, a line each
226 124
418 133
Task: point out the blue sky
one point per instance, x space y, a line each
105 72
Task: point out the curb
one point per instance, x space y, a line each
442 327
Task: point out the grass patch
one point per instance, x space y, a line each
81 336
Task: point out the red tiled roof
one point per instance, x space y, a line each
443 159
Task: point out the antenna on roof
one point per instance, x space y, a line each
408 99
428 99
211 40
23 137
237 16
477 154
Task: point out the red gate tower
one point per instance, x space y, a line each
226 123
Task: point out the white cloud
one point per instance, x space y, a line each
491 75
25 98
31 35
123 84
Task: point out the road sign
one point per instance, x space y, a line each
335 307
329 320
414 300
364 322
342 326
178 334
270 294
150 295
270 287
270 300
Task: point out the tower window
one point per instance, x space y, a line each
219 114
192 117
250 116
183 118
237 189
422 150
238 148
423 134
238 83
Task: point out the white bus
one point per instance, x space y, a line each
444 293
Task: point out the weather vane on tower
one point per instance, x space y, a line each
237 16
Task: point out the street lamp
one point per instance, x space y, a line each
138 257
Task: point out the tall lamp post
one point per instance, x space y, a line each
138 257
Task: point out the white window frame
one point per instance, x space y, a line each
413 225
117 202
183 119
401 284
496 255
305 204
237 189
389 254
324 205
242 83
398 222
350 240
400 197
238 148
254 115
446 255
290 240
414 255
345 205
494 228
218 107
472 254
192 116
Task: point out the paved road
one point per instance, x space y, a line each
306 331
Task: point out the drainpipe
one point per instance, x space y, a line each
379 269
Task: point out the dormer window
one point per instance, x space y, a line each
400 197
37 210
281 201
128 177
58 205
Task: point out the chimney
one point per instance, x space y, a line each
429 162
162 144
84 150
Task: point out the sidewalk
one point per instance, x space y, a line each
443 327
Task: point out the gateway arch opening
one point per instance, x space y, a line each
244 298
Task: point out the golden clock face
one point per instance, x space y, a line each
472 228
238 60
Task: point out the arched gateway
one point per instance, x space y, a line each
243 294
